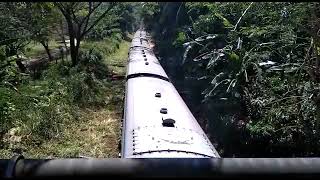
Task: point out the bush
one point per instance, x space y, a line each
7 108
85 89
252 108
91 62
41 107
107 46
34 111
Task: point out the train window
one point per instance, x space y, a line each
158 95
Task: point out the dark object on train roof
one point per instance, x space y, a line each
168 122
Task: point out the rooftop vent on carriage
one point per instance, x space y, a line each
158 95
168 122
163 110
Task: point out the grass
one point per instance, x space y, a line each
115 58
117 61
95 134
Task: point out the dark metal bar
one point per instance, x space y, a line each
147 75
180 167
140 47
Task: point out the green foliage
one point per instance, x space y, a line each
27 21
106 46
180 39
6 109
108 27
147 11
92 62
12 36
250 62
86 89
34 111
117 23
40 108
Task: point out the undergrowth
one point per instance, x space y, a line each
37 111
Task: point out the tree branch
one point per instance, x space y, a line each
74 16
235 27
97 20
91 10
177 15
62 9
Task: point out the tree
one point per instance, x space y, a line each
81 18
13 36
42 18
61 31
253 68
37 19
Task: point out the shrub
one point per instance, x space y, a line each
7 108
91 61
41 108
107 46
85 89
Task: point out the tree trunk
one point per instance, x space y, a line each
71 32
78 29
76 51
74 54
65 46
20 65
62 35
46 47
73 49
78 45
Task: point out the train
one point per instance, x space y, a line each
156 121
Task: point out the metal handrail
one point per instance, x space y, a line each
160 167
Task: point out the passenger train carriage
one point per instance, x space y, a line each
157 123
